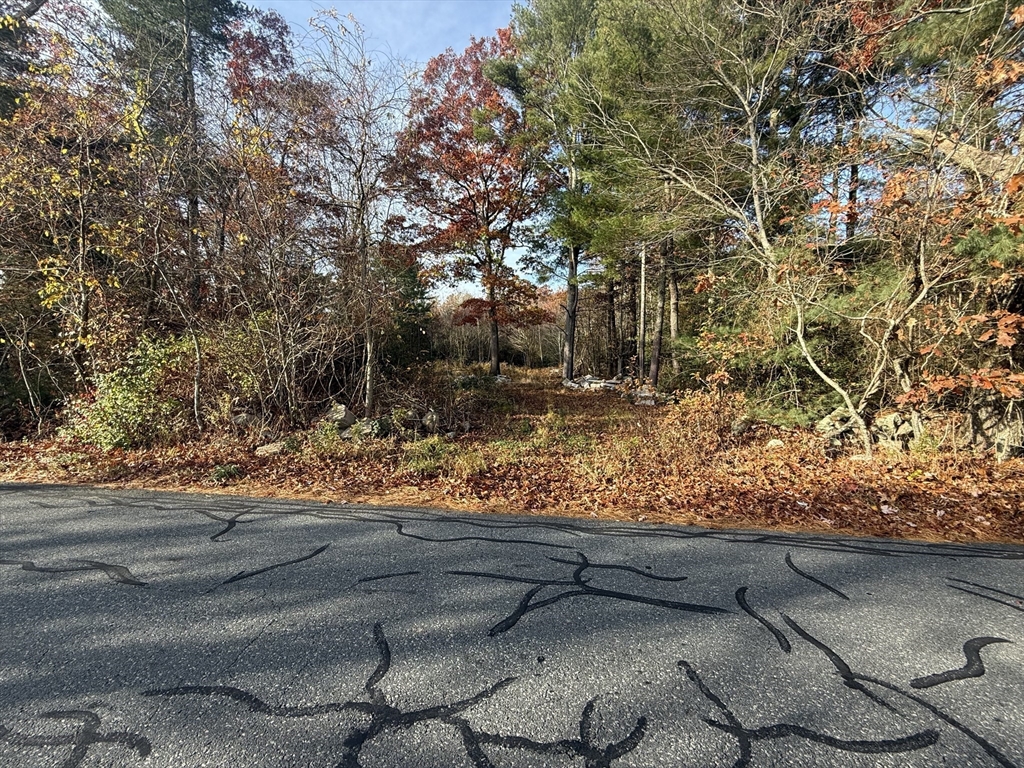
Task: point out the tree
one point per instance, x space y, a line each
170 42
370 102
768 122
71 231
551 36
708 114
468 167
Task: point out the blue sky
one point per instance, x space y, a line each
413 30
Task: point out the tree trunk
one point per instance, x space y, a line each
370 348
614 346
659 315
628 349
851 201
369 293
852 214
833 214
641 342
492 321
30 10
673 316
191 152
572 298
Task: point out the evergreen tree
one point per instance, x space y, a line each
551 35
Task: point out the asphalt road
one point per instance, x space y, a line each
144 629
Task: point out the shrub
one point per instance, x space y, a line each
142 403
428 457
225 473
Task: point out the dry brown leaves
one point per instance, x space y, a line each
592 455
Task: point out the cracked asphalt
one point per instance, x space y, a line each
155 629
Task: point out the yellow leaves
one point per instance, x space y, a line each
1017 15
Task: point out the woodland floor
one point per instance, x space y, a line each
543 450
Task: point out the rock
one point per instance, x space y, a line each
270 449
888 425
775 444
501 378
837 423
407 419
243 420
1008 440
646 395
905 433
594 382
341 415
431 421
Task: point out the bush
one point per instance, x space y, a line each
140 404
225 473
428 457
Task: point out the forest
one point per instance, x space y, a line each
783 217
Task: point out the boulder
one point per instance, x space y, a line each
997 425
594 382
341 415
1008 438
775 444
888 425
645 395
836 424
905 433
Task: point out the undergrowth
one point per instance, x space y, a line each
547 450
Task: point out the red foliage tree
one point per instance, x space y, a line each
467 166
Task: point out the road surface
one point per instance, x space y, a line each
148 629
